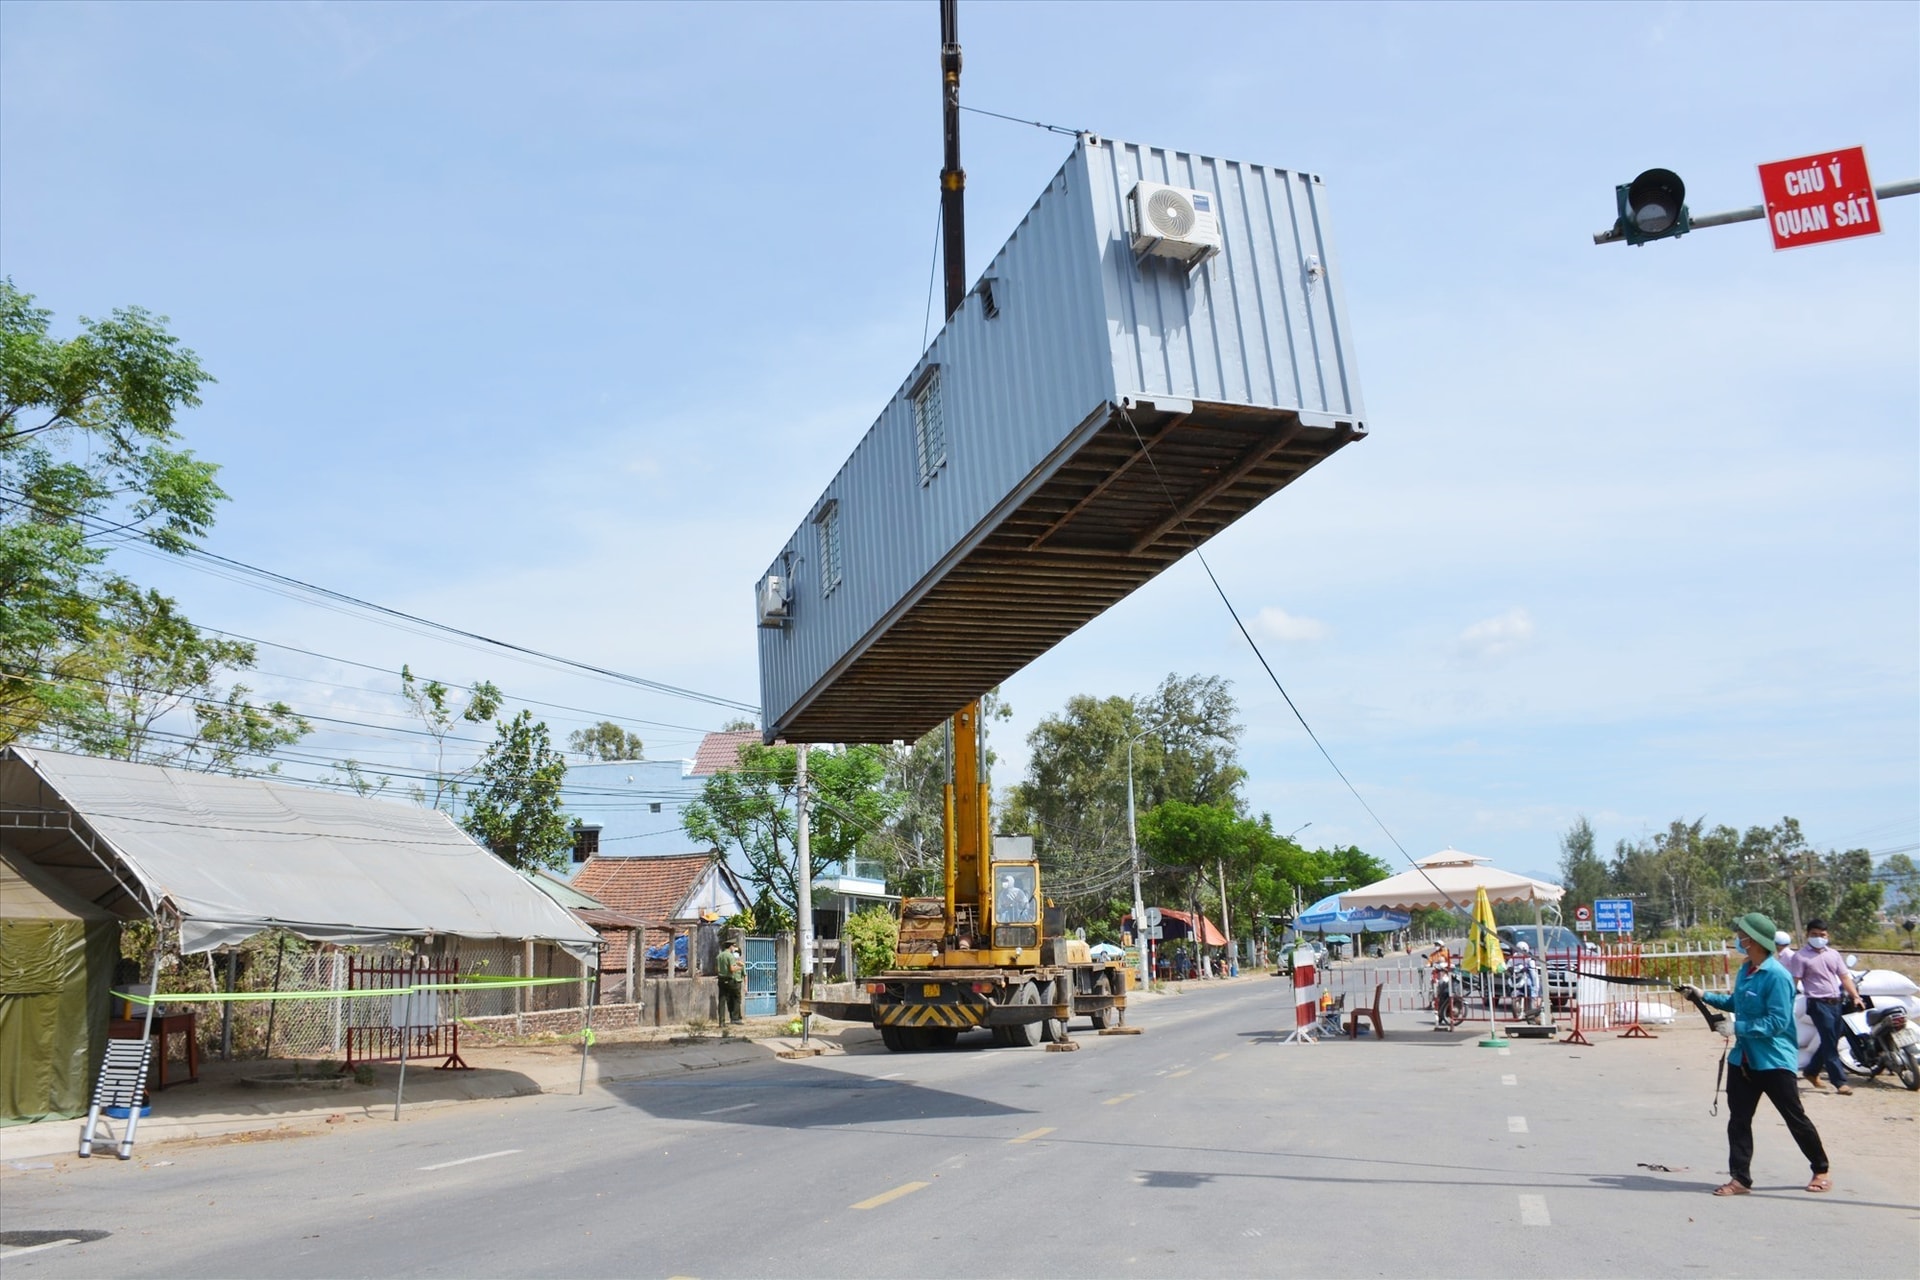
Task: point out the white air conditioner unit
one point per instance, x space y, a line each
774 597
1174 222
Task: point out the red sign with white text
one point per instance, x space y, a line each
1814 199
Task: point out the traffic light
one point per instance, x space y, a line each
1652 207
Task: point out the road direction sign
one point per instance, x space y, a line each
1817 198
1153 917
1613 915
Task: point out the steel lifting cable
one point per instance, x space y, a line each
1234 613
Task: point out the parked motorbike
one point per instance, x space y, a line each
1882 1039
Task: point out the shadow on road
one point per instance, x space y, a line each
817 1098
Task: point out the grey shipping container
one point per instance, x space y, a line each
1092 412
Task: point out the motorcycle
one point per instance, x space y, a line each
1882 1039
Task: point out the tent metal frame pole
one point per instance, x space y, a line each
87 841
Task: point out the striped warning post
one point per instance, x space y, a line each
1306 999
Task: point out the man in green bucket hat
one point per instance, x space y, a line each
1764 1058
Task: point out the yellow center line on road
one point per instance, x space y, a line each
1030 1135
1221 1057
885 1197
1121 1098
1175 1075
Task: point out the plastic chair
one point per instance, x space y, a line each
1370 1012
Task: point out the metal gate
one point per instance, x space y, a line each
759 1000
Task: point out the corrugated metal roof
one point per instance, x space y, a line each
233 856
1110 415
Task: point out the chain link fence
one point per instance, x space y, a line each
317 1027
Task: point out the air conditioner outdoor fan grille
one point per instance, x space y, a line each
1170 212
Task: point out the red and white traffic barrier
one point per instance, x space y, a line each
1306 998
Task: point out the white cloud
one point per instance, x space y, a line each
1498 636
1277 624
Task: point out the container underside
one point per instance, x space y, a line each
1147 484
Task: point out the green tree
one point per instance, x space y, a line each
874 935
514 807
605 741
750 810
1073 801
1582 871
1902 880
88 447
152 662
435 705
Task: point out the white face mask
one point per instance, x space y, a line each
1818 944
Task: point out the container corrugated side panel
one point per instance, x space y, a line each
1012 389
1250 326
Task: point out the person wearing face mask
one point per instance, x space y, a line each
1823 978
1765 1049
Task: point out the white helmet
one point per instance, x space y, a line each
1522 946
1782 939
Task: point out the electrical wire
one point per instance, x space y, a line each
1273 676
280 583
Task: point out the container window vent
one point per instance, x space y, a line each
828 523
929 426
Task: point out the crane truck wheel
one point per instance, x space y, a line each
1026 1034
897 1039
1109 1016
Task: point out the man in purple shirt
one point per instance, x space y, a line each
1823 977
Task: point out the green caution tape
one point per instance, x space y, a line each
476 983
587 1035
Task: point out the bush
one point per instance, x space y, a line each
874 935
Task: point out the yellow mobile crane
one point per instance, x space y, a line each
986 952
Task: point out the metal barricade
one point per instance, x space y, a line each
410 1026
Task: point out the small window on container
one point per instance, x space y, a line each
828 523
929 425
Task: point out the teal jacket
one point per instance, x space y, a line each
1765 1036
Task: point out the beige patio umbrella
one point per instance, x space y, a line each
1451 878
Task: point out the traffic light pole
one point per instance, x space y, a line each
1910 187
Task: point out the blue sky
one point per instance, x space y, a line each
550 321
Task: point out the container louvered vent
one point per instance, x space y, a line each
1174 222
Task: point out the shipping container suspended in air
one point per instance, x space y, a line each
1123 381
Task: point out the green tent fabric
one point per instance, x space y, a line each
57 954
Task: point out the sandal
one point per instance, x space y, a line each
1732 1188
1820 1182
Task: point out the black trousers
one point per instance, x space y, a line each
1782 1088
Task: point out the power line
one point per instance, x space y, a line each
281 580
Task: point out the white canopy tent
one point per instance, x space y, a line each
1451 878
230 857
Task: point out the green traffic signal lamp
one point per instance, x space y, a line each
1652 207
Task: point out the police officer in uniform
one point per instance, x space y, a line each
733 981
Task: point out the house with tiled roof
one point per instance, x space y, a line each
720 752
673 895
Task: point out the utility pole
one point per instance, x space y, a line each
803 895
1139 904
1226 924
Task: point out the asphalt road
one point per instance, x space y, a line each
1203 1147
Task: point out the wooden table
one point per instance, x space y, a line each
165 1025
